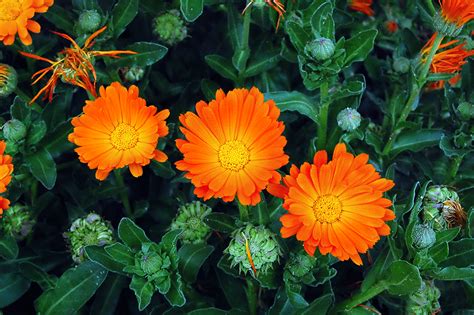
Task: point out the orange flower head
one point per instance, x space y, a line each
391 26
364 6
15 19
457 12
74 65
274 4
336 206
118 129
6 169
233 146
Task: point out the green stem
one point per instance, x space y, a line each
431 8
252 296
360 298
124 195
454 167
34 192
426 67
323 116
244 213
245 43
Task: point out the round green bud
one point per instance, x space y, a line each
348 119
441 208
466 110
320 49
262 244
401 65
299 265
89 21
423 236
90 230
14 130
134 74
17 221
8 80
170 27
425 300
444 27
190 219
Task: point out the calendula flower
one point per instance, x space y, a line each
6 169
16 19
336 206
457 12
8 80
391 26
364 6
118 129
233 146
446 60
74 65
274 4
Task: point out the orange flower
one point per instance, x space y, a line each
391 26
233 146
6 169
448 60
274 4
74 66
457 12
118 129
335 206
15 18
363 6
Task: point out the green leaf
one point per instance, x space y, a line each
402 278
191 9
261 64
439 252
359 46
131 234
413 220
8 247
320 305
75 287
164 170
208 311
143 291
453 273
191 258
147 54
222 66
108 295
447 235
36 132
170 238
56 141
298 36
21 111
294 101
60 18
43 168
416 140
220 222
322 22
38 275
98 255
296 299
240 58
209 89
461 253
12 287
175 295
120 253
123 13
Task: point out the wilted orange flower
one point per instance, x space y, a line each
274 4
363 6
233 146
74 65
6 169
391 26
458 12
335 206
118 129
448 60
15 18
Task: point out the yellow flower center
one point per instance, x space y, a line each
233 155
124 137
327 209
9 10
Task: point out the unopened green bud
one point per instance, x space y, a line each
423 236
134 74
441 208
425 300
8 80
89 21
466 110
17 221
444 27
14 130
320 49
262 245
401 65
170 27
190 219
299 267
348 119
90 230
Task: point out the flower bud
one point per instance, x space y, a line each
14 130
190 219
401 65
133 74
444 27
320 48
423 236
17 221
89 21
170 27
298 266
8 80
441 208
263 249
90 230
466 110
425 300
348 119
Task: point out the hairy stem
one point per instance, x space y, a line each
323 116
251 292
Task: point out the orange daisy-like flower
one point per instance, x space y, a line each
233 146
6 169
336 206
118 129
364 6
15 18
274 4
457 12
391 26
74 66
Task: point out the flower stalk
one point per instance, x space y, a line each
323 115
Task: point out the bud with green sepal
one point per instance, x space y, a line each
253 247
8 80
401 64
446 28
190 219
17 221
348 119
299 268
90 230
425 300
320 49
133 74
441 208
170 27
466 110
423 236
89 21
14 130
